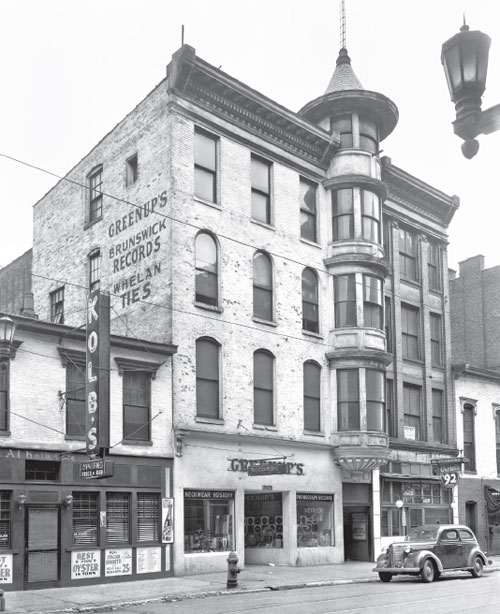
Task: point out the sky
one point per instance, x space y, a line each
70 70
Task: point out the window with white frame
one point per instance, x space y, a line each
205 165
410 331
408 252
412 403
206 267
308 209
57 306
261 189
345 300
95 194
262 287
310 311
348 418
312 396
207 378
263 387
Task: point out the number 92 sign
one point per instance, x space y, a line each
449 475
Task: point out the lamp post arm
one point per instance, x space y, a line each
490 120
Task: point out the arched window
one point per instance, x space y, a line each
312 396
310 317
262 286
263 387
207 282
207 378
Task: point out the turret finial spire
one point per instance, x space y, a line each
342 25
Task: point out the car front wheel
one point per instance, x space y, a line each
477 569
428 571
385 576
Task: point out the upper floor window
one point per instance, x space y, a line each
389 408
412 411
433 265
410 329
388 327
343 125
308 209
5 519
312 396
370 216
436 339
205 165
310 316
95 270
207 378
348 400
75 397
373 310
408 260
136 405
207 283
497 437
4 396
261 190
262 286
263 387
368 135
131 169
437 416
39 470
375 400
57 306
343 214
95 191
468 415
345 300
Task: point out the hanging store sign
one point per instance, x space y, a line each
267 468
449 474
98 468
97 373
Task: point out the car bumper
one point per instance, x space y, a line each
395 570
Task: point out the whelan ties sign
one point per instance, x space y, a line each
97 374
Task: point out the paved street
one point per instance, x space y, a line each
462 594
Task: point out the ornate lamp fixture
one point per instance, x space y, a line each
465 61
7 330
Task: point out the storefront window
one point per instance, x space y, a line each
314 520
148 517
264 521
208 520
117 518
85 518
5 527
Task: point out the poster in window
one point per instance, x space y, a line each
148 560
167 521
359 525
86 564
118 562
5 568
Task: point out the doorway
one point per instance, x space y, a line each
42 547
357 533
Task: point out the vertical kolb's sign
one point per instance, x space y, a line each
97 373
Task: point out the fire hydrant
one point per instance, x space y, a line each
232 570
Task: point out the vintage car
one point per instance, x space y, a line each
429 550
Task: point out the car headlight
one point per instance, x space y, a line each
408 550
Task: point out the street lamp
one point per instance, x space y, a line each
399 505
7 330
465 61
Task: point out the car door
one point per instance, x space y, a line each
468 544
450 549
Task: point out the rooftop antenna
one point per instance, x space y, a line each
182 35
342 25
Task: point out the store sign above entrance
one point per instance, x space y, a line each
98 468
266 466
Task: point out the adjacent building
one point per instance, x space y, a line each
303 281
475 319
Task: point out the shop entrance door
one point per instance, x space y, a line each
357 533
42 547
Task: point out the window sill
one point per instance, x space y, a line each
436 291
263 224
309 242
414 361
411 282
4 433
214 308
136 442
208 420
209 203
262 321
265 427
314 433
87 225
309 333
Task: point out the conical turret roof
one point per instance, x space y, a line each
343 77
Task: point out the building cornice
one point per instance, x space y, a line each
464 369
214 91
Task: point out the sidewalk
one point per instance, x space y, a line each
254 578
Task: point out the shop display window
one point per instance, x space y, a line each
264 521
5 525
208 520
85 525
314 520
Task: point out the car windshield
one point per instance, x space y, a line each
421 534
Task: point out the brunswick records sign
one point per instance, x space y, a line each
97 374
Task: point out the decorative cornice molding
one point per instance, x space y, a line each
74 356
127 364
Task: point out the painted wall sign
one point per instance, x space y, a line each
35 455
314 497
5 568
133 255
118 562
148 560
97 373
209 494
85 564
249 465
